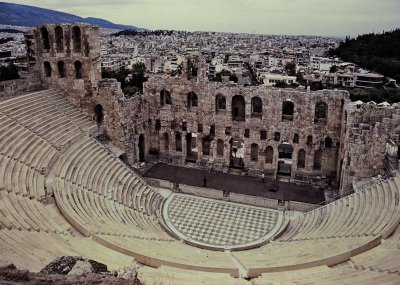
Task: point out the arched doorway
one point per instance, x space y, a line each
285 152
98 114
317 160
142 150
301 159
237 153
191 147
206 145
47 69
238 108
78 69
61 69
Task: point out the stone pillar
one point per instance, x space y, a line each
184 146
199 143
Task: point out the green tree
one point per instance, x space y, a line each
138 76
290 68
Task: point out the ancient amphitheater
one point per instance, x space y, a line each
64 192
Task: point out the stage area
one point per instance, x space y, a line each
217 224
238 184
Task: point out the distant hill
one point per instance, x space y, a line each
377 52
24 15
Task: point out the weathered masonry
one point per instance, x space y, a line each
290 133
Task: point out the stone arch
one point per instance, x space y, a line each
220 148
254 152
317 160
256 106
59 35
206 145
321 112
47 69
78 69
269 154
142 148
301 159
98 113
178 141
287 110
192 100
45 38
238 108
61 69
220 103
76 39
328 142
165 98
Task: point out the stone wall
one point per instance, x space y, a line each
207 121
294 132
368 128
12 88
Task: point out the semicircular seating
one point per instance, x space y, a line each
105 211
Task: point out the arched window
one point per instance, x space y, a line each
61 69
98 113
220 148
254 152
321 112
301 159
78 69
285 150
76 39
206 143
220 103
59 38
317 160
287 110
328 142
178 142
238 108
47 69
296 138
191 100
165 98
269 154
256 107
277 136
309 140
45 38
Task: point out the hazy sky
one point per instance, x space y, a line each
322 17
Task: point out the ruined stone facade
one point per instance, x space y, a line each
292 133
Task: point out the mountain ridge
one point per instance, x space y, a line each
30 16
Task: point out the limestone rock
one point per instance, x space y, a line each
81 268
129 273
64 264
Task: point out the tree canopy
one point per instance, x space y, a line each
377 52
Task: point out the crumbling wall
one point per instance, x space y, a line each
180 117
368 128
